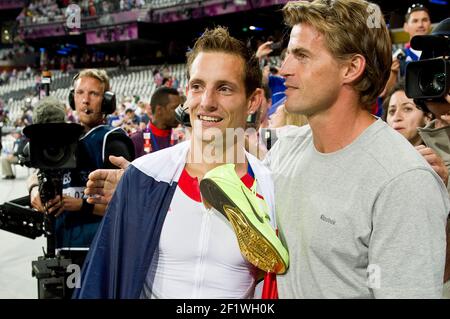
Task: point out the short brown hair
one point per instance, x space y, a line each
219 40
98 74
348 29
414 8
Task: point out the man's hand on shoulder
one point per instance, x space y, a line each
435 162
103 182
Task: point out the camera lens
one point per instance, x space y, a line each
439 82
432 83
53 154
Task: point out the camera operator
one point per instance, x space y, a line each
417 22
77 220
436 134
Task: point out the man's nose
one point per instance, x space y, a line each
284 69
85 98
208 100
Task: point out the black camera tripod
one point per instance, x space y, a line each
50 270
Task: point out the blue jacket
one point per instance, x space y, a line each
122 250
74 229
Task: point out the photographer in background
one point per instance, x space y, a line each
271 75
77 220
436 134
417 22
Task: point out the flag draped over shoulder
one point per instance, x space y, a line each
123 248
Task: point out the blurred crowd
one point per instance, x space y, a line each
44 11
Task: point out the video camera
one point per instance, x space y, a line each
51 155
182 115
429 78
17 217
51 149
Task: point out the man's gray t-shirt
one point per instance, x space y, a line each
365 221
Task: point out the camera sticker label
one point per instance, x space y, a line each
76 192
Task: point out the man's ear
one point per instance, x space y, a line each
255 101
353 68
158 109
406 28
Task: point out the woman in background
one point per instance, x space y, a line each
403 115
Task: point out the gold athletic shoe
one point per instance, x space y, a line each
223 189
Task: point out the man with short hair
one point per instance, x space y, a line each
157 133
77 221
417 22
361 212
158 240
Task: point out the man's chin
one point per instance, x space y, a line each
296 109
421 33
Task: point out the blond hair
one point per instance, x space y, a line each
98 74
350 27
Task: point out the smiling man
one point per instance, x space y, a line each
361 212
158 240
77 221
417 22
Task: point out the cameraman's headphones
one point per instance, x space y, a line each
182 115
108 102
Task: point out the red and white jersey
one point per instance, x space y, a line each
198 254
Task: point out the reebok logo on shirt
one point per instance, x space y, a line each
327 220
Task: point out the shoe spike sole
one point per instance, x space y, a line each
254 246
